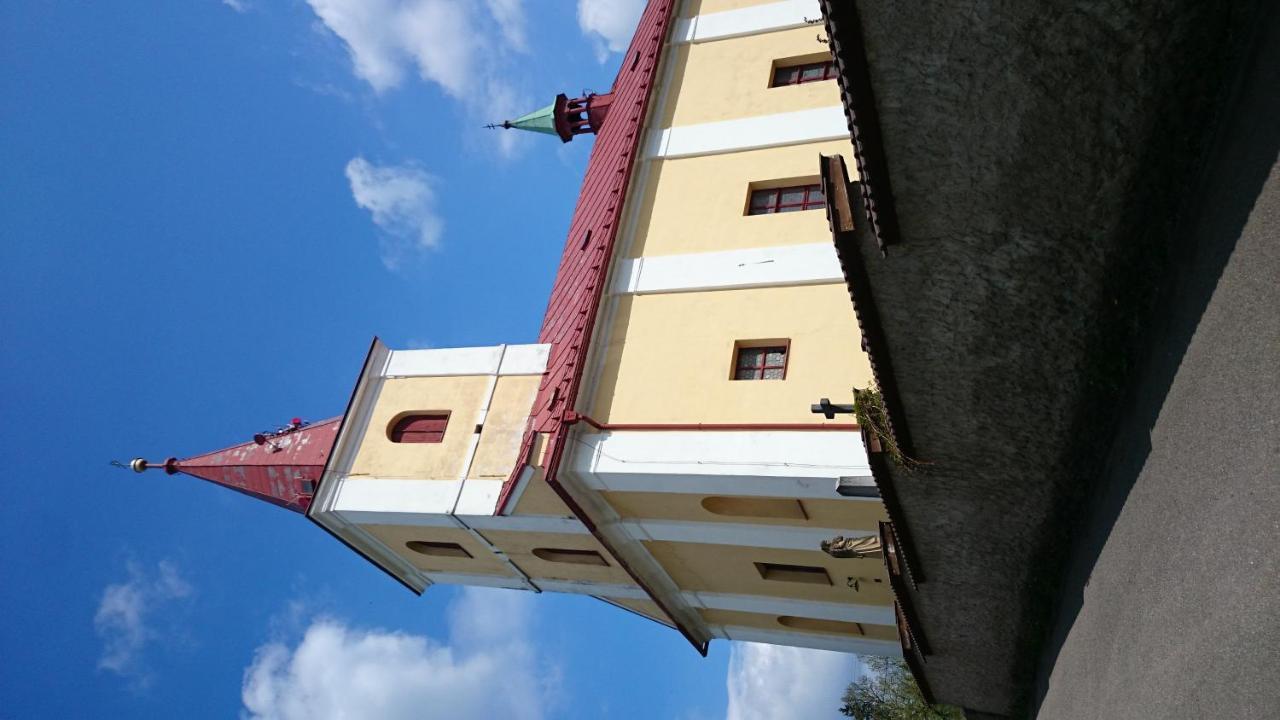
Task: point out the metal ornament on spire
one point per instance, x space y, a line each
565 117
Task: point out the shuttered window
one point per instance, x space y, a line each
419 428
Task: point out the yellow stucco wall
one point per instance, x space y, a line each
698 204
730 78
731 569
837 514
519 547
540 499
770 622
379 457
482 560
504 426
689 8
462 397
647 608
669 356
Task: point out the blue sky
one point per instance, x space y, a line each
208 209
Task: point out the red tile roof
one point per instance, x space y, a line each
575 296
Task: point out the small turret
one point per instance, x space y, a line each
565 117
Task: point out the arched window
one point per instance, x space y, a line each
779 508
438 549
822 626
574 557
418 428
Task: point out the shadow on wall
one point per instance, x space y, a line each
1243 154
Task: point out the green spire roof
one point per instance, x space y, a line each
542 121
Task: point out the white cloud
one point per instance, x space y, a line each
239 6
401 199
126 613
448 42
371 40
766 682
488 669
609 24
509 14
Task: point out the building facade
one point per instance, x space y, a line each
656 448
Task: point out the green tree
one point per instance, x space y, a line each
888 692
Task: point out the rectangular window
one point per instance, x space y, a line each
793 573
767 201
806 73
760 362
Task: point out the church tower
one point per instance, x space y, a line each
655 448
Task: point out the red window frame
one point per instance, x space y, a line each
784 75
768 201
419 428
759 366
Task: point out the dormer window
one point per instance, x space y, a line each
419 428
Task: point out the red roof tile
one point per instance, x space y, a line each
575 296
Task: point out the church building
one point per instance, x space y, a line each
656 448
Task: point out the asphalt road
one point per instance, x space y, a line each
1172 607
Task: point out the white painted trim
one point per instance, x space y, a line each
807 264
527 523
481 415
783 537
748 463
477 579
522 484
766 605
808 488
775 453
412 519
513 523
745 21
525 360
397 495
493 360
479 497
749 133
402 496
579 587
861 646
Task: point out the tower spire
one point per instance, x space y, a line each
282 466
565 117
